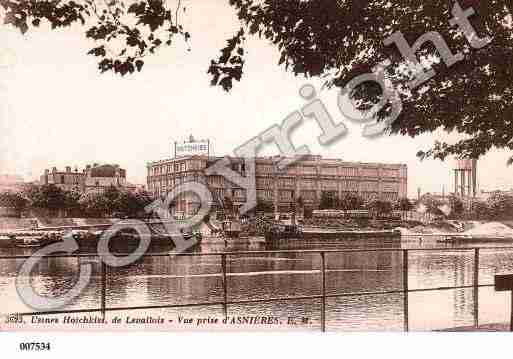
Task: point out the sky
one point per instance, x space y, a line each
56 109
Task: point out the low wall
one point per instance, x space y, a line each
7 223
9 212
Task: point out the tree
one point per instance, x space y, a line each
351 202
432 205
336 40
129 204
378 207
115 202
71 202
500 205
403 204
457 208
328 200
47 196
344 39
139 27
112 192
124 205
144 199
386 207
480 210
95 204
13 200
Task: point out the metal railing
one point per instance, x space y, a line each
322 296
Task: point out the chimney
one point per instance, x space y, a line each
68 169
47 171
54 169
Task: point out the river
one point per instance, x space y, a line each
165 280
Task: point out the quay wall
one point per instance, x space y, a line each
12 224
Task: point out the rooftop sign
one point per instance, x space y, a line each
192 147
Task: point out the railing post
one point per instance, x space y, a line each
405 289
476 287
225 286
511 314
323 291
104 286
504 283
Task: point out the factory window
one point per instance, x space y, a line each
309 170
330 171
264 168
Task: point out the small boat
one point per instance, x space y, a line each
283 231
78 234
231 229
447 239
454 239
39 241
475 238
349 234
29 242
187 235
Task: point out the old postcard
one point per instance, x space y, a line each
255 166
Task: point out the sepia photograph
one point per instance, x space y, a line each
255 166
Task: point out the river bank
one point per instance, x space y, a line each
460 232
337 230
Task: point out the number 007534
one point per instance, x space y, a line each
34 346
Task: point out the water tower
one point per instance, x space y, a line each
465 178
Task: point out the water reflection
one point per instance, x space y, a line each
166 280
